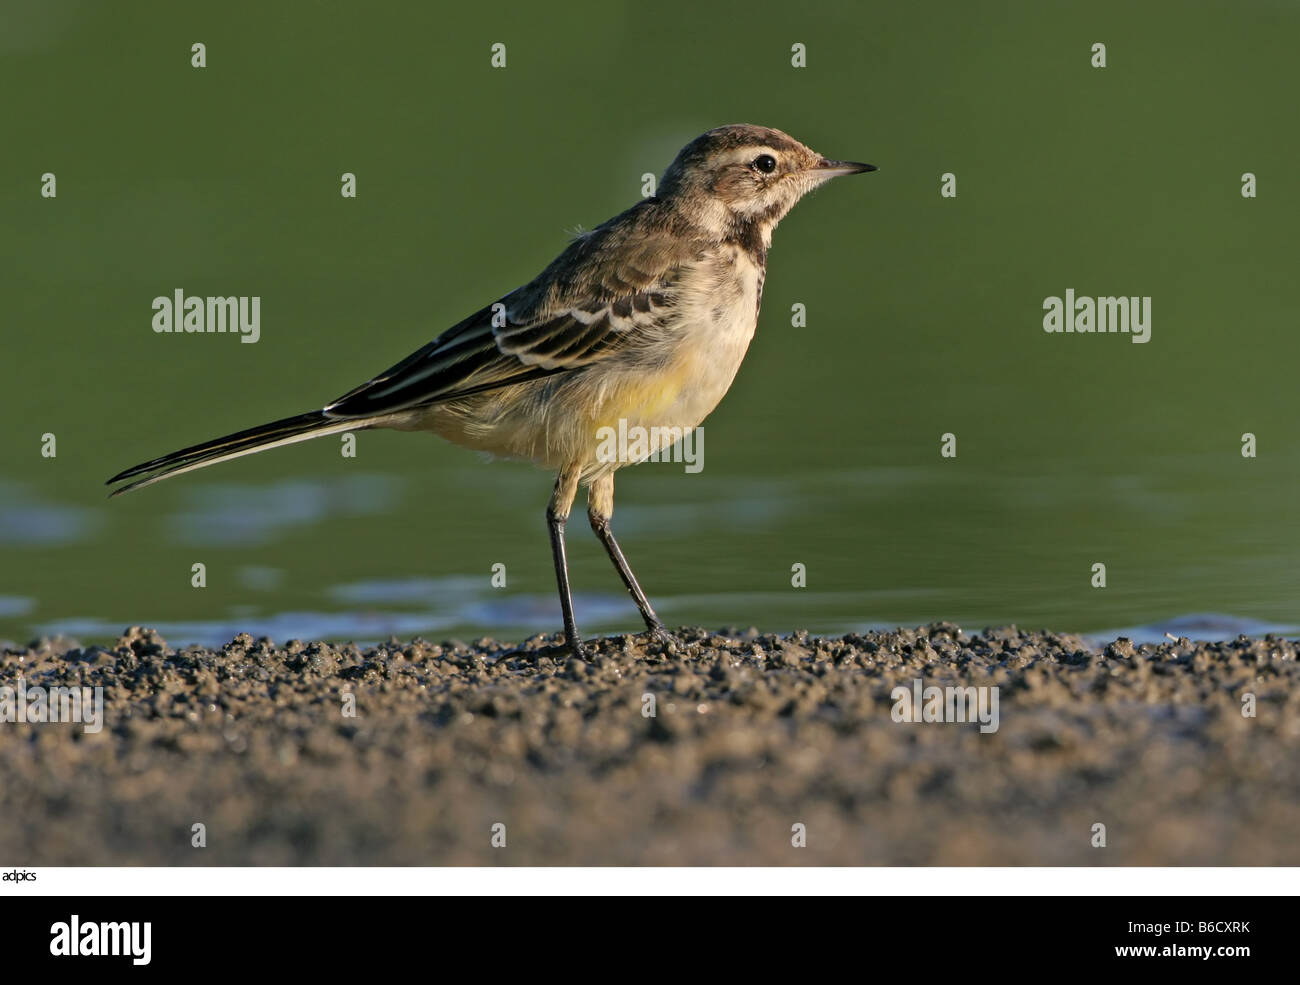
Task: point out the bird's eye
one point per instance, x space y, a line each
764 163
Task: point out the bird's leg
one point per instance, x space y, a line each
557 514
600 509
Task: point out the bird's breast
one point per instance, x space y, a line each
677 378
719 313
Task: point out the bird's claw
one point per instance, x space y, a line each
661 635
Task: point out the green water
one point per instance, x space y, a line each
924 314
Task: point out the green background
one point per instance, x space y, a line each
924 313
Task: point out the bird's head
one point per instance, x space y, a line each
745 176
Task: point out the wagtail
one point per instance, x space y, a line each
641 322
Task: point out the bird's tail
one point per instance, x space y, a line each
286 432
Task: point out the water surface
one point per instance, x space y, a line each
923 314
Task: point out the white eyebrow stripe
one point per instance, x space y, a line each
747 154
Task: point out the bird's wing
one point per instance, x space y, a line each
611 288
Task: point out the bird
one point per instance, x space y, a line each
643 320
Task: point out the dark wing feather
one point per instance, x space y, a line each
612 287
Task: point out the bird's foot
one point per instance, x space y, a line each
556 648
570 643
659 633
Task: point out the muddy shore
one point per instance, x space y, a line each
751 735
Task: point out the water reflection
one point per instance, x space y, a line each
15 605
1210 626
27 520
244 515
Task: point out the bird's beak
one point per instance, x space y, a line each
834 169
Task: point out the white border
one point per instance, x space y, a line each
509 881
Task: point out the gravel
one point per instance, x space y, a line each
761 749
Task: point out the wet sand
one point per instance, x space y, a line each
751 735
